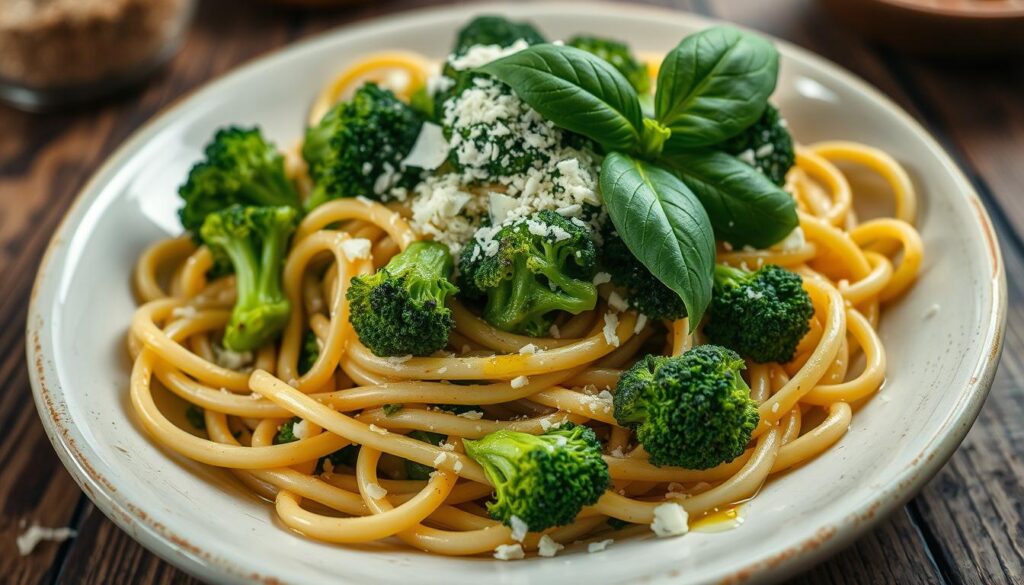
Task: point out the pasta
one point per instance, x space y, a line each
850 267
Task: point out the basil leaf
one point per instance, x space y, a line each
664 225
746 208
714 84
576 91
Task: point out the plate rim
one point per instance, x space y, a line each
180 552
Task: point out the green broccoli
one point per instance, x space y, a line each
401 309
762 314
309 352
196 416
358 146
766 145
692 411
345 456
485 145
255 241
542 480
619 56
643 290
415 470
528 270
494 30
286 432
240 168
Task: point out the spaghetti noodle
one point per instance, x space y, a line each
851 268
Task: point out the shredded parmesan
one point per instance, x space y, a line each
35 534
599 545
670 519
611 324
519 528
547 547
509 552
356 249
520 381
375 491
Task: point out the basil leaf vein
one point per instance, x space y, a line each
664 225
575 90
745 207
714 84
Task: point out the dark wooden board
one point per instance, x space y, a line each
965 527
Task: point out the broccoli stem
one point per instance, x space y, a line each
726 275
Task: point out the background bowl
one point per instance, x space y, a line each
200 519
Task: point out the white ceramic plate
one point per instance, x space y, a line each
201 520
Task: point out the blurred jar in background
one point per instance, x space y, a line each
60 52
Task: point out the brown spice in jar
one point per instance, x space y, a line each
62 43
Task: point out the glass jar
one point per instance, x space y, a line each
60 52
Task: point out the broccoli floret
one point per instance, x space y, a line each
357 148
494 30
692 411
643 290
195 417
345 456
485 145
766 145
528 270
309 352
761 314
286 432
400 309
254 240
419 471
240 167
544 480
619 56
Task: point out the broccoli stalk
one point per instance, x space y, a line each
254 240
401 309
618 55
642 290
358 146
761 314
692 411
766 146
543 480
240 168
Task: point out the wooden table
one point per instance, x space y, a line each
965 527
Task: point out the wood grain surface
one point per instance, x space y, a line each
967 526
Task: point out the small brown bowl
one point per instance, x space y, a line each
938 27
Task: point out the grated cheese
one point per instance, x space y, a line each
356 249
520 381
670 519
509 552
611 323
599 545
547 547
519 528
375 491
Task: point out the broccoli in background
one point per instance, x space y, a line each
255 241
240 168
494 30
766 145
543 480
347 456
419 471
309 352
619 56
358 146
537 266
286 432
196 416
692 411
401 309
761 314
643 290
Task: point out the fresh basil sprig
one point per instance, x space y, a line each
577 91
713 85
745 207
669 188
663 224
